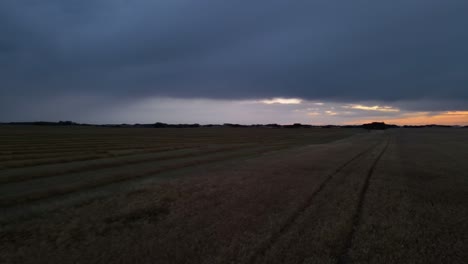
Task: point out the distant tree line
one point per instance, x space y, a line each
369 126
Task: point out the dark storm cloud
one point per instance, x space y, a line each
337 50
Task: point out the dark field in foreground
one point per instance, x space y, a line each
233 195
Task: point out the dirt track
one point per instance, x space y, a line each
399 196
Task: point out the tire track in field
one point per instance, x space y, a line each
356 219
300 210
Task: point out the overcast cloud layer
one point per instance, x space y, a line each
408 53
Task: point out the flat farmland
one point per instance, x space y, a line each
233 195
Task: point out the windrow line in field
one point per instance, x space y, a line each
109 141
56 169
47 141
27 149
23 192
135 141
93 153
18 162
96 154
113 138
83 146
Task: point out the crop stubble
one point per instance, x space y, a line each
375 197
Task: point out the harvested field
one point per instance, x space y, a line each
233 195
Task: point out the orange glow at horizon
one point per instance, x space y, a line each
422 118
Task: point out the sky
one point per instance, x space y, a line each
247 62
